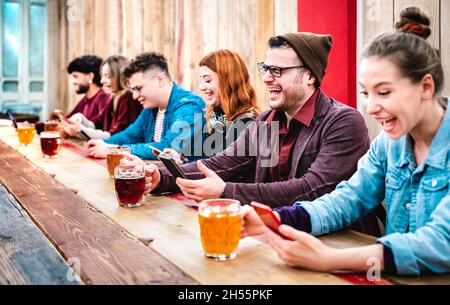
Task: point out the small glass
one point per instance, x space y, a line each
50 143
26 133
220 227
113 157
129 182
51 125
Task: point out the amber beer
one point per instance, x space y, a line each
51 125
50 143
129 183
113 157
26 133
220 227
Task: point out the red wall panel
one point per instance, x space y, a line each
337 18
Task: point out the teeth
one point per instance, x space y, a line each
274 90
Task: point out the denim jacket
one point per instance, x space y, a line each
417 201
182 129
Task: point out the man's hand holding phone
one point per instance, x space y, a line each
152 174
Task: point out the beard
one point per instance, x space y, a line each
82 89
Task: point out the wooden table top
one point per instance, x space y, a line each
72 201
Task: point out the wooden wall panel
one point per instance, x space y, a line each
286 16
378 17
445 44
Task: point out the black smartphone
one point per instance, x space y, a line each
84 136
171 166
12 118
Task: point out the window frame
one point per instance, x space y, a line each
24 95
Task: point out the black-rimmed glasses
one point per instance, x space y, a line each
274 70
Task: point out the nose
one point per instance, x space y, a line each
136 95
371 105
267 77
202 86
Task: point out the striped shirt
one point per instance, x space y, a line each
159 125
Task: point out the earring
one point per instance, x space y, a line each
90 81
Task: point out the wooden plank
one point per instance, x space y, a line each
265 29
378 17
26 256
445 45
107 254
286 16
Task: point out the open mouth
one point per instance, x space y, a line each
274 92
388 124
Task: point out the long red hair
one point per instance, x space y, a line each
235 92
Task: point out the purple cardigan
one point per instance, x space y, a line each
324 154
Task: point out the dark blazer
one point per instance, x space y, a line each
324 154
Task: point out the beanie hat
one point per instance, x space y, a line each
312 49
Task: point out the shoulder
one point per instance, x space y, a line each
338 112
184 98
103 96
246 116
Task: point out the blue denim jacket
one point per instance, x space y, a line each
417 201
183 127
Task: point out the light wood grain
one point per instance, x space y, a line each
445 45
108 254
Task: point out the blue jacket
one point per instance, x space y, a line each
417 201
182 130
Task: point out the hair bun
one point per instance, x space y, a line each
414 21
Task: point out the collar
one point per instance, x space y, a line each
304 115
437 154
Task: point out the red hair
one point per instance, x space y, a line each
235 92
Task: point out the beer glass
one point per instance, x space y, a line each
26 132
129 182
50 143
113 157
220 227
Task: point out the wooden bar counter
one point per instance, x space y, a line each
71 202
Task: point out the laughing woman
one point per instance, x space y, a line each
122 109
408 165
230 99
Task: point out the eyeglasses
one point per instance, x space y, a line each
274 70
136 90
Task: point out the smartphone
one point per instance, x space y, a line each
155 150
171 165
12 118
268 217
84 136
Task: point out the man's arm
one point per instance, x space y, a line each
344 142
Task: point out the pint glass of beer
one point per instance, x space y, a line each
113 157
50 143
129 182
220 227
26 133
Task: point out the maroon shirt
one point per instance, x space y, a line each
126 112
92 108
288 137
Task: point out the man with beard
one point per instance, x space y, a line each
85 77
312 141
